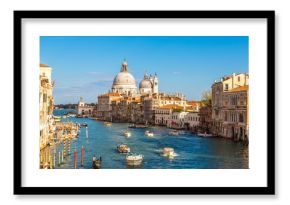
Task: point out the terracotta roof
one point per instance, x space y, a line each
43 65
117 99
111 95
239 89
171 106
193 103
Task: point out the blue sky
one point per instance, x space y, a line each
86 65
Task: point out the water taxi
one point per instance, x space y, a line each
149 134
174 132
122 148
134 159
168 152
127 134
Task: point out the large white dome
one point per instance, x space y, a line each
124 78
124 81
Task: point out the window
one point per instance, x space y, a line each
226 87
239 79
241 117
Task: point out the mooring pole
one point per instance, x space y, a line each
75 158
82 156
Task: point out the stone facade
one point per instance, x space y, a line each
234 113
192 121
205 113
46 122
104 108
229 107
127 109
84 109
163 114
178 117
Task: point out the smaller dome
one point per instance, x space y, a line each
145 84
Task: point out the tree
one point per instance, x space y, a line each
206 97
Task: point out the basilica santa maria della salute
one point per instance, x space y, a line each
125 84
127 103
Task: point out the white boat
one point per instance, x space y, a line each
122 148
134 159
168 152
174 132
71 115
149 134
127 134
57 118
204 135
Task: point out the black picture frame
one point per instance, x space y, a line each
268 190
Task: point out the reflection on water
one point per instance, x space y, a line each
193 152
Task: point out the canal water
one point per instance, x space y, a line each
193 152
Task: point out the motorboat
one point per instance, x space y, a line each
84 124
107 123
122 148
205 135
149 134
57 118
71 115
168 152
134 159
132 126
137 126
97 163
127 133
174 132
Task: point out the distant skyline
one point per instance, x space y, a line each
86 65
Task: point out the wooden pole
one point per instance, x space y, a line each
54 156
75 158
58 158
68 146
82 156
64 147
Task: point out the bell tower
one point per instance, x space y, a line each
155 83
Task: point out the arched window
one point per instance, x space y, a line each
241 117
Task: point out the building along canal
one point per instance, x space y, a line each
192 152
